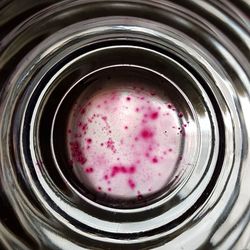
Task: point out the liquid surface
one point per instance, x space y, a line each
125 142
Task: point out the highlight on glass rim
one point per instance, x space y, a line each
124 124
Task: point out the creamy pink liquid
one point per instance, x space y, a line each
125 142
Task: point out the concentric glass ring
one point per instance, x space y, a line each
195 54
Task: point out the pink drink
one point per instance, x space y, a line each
125 142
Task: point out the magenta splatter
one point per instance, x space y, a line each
180 114
122 170
154 115
89 140
89 170
110 144
139 197
76 152
146 134
131 184
84 127
155 160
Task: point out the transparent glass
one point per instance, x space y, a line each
163 164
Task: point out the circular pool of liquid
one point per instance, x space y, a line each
125 136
